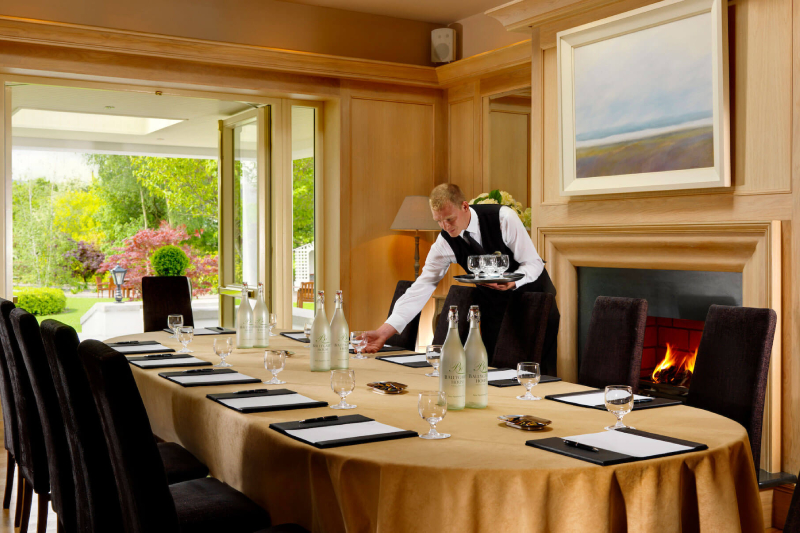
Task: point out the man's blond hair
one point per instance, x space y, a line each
444 194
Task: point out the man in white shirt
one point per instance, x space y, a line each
475 230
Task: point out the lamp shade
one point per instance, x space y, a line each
415 214
118 273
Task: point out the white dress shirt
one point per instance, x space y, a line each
515 236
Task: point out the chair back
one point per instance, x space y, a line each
32 456
163 296
613 353
408 338
730 373
521 335
62 483
144 495
10 435
305 293
461 297
95 489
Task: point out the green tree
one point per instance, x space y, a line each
77 214
303 201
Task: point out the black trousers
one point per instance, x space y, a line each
493 304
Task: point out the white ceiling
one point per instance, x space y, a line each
434 11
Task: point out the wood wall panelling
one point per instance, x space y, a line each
791 398
462 153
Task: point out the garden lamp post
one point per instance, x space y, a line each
118 275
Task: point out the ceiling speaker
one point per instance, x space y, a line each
443 45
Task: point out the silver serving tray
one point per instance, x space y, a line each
507 278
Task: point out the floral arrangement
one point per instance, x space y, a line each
503 198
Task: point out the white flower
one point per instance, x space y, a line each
488 201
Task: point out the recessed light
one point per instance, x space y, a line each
160 139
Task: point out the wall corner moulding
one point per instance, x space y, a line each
635 117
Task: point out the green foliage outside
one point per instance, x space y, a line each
303 201
169 261
41 301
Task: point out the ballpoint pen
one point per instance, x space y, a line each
199 370
252 390
320 419
580 445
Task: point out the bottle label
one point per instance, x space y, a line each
454 375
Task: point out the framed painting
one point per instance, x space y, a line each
643 100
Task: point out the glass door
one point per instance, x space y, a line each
243 194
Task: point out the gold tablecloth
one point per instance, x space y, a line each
483 479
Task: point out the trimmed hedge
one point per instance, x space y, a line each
169 261
41 301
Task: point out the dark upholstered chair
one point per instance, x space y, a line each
148 503
522 331
163 296
408 338
9 426
613 353
461 297
98 508
32 453
62 484
792 524
730 373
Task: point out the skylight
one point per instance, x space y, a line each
88 122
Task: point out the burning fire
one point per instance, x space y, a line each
676 368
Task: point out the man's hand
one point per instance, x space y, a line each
500 286
377 338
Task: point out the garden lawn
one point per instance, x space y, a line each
76 308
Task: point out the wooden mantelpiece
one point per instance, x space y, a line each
752 248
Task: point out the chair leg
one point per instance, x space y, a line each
41 519
10 465
20 497
27 498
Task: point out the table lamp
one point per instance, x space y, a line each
415 215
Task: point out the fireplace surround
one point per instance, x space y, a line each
750 248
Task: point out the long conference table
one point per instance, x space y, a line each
482 479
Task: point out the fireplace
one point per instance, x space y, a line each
668 355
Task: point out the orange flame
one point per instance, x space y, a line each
676 366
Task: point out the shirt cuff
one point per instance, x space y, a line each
396 323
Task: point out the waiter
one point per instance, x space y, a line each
475 230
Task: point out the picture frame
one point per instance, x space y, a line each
638 109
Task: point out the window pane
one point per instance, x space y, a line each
303 128
245 204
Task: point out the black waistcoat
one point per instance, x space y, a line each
491 238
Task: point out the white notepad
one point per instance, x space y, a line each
297 336
592 399
267 401
416 358
497 375
212 378
625 443
155 363
342 431
141 348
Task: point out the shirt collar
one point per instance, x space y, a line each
473 226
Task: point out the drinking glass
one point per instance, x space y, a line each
619 402
432 408
307 330
359 340
173 323
185 336
489 265
502 264
433 354
274 361
343 382
223 348
529 376
273 321
474 265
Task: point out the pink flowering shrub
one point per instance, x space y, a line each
136 252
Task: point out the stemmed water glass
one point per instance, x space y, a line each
432 408
433 354
502 264
528 375
343 382
619 402
307 330
274 361
273 322
174 322
223 346
359 341
489 265
474 265
185 336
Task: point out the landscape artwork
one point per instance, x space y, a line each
644 101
